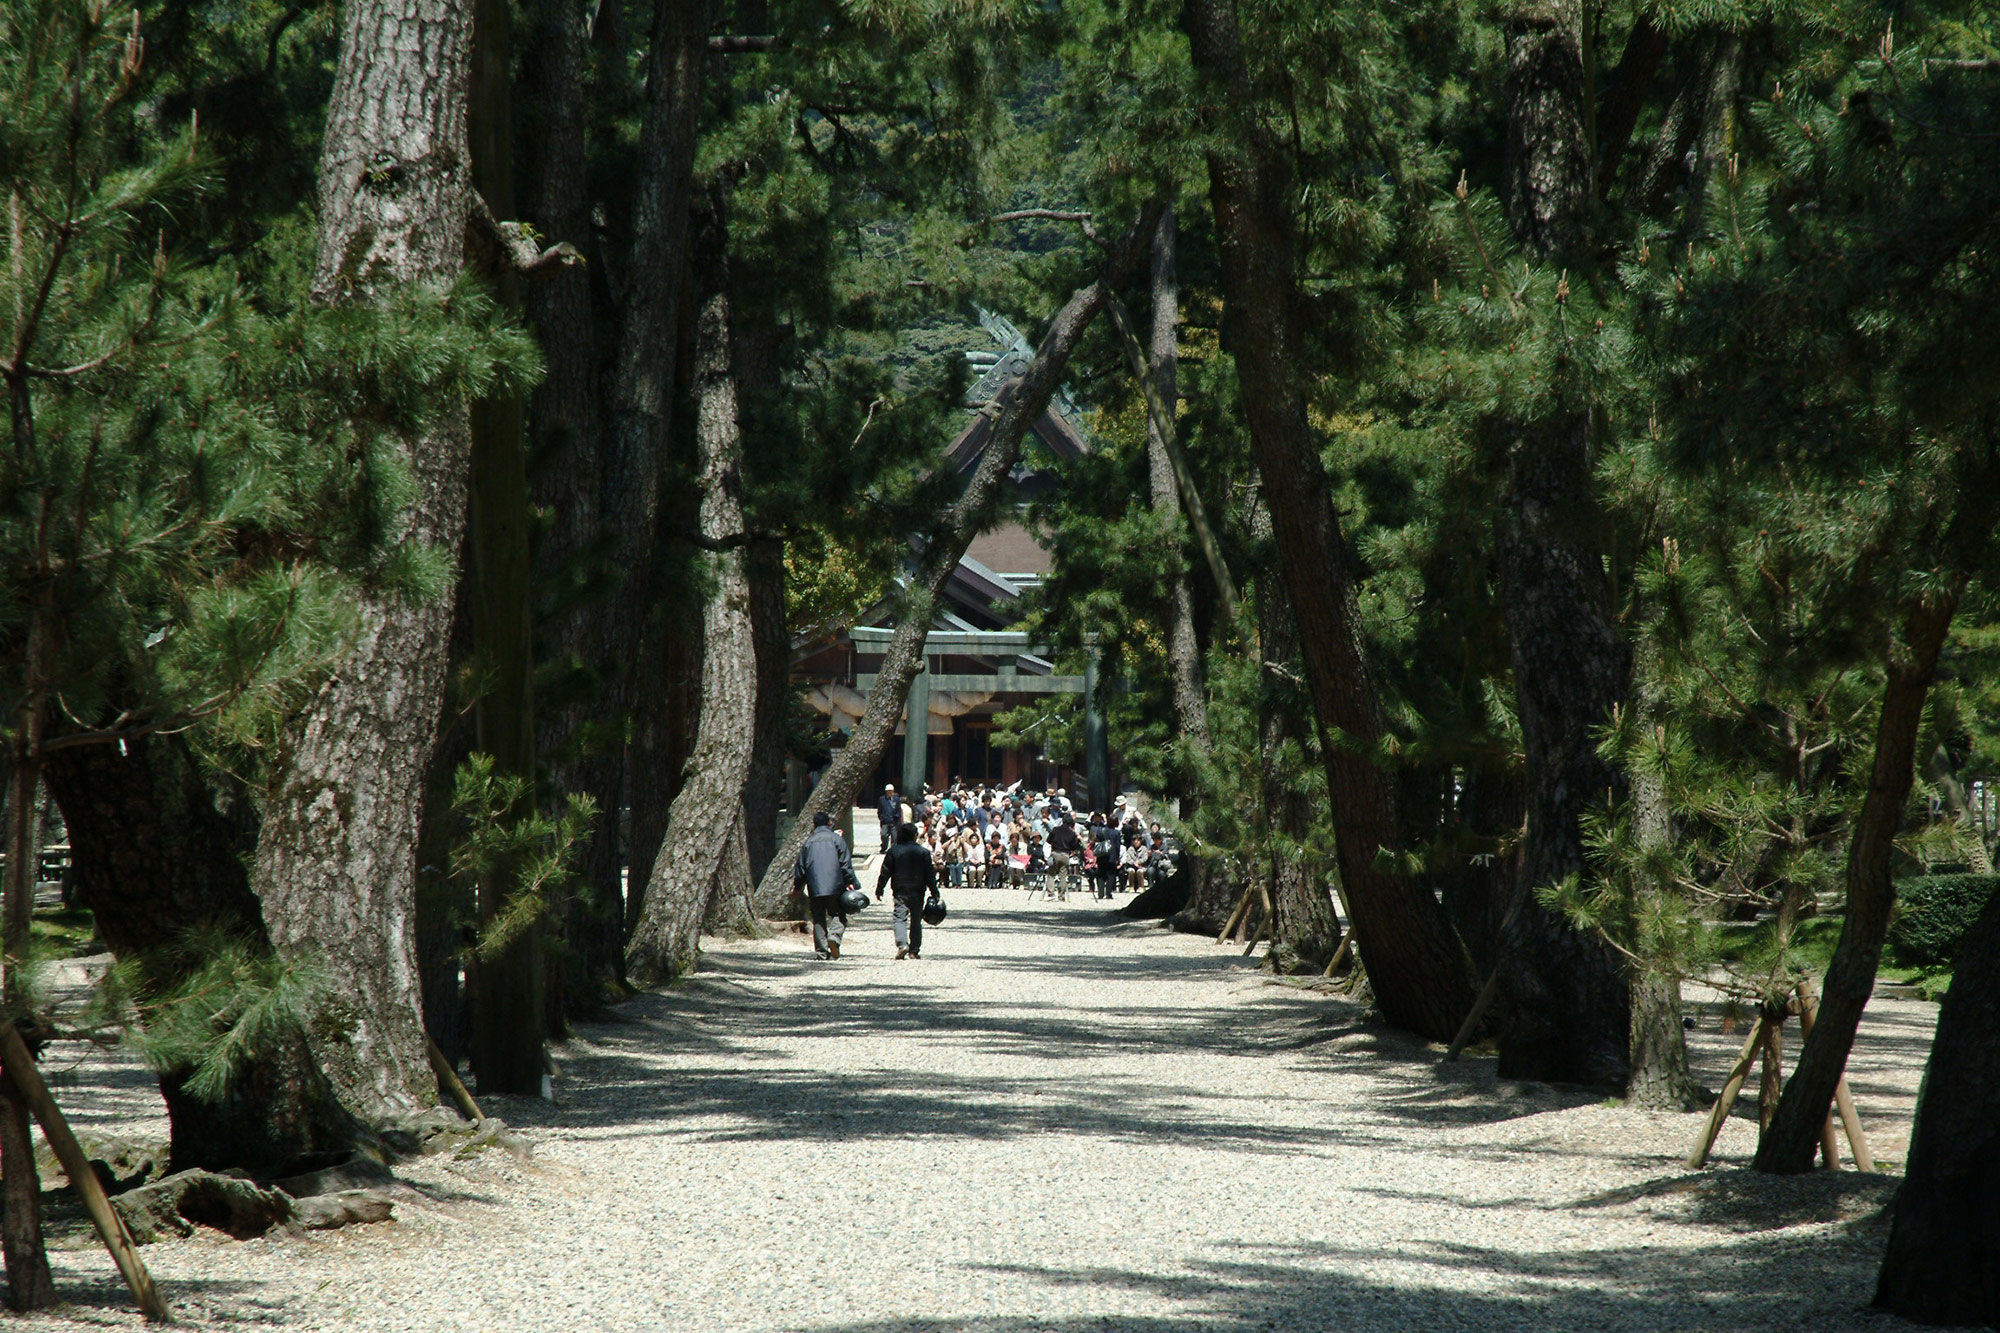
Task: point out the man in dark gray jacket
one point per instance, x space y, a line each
908 869
825 871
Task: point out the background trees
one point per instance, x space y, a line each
1540 491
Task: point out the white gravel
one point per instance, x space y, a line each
1055 1121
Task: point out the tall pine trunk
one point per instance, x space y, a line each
1304 930
945 545
1564 999
336 863
507 1012
704 833
154 859
578 738
1417 965
1943 1260
763 788
646 370
1658 1077
1207 905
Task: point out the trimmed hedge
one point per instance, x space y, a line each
1933 913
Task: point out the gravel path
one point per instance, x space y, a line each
1060 1121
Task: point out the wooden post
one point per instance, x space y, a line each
1727 1100
1346 939
1473 1015
448 1079
1829 1145
1242 906
1843 1099
27 1080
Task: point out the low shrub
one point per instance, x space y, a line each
1933 912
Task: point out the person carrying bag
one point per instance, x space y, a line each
825 872
910 872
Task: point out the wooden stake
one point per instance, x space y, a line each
1857 1142
21 1071
1829 1145
1242 906
1843 1099
448 1079
1473 1015
1727 1101
1346 939
1266 929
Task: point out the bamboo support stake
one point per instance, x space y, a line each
1473 1015
1266 930
448 1079
1242 906
21 1072
1346 941
1857 1142
1829 1143
1727 1101
1843 1098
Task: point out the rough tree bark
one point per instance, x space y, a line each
645 372
1564 1002
153 860
1418 967
336 862
1943 1261
945 545
706 821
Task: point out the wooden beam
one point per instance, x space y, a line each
27 1080
993 684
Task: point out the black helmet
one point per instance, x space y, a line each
853 900
934 912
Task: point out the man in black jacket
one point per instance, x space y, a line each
825 871
909 871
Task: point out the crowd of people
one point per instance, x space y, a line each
989 837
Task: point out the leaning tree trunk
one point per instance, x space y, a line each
1207 904
705 825
1564 998
157 866
336 862
1943 1261
945 546
1787 1145
1417 966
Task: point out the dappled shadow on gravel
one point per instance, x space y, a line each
1788 1282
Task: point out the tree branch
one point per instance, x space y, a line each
726 45
498 247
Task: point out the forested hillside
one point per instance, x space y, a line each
1535 549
